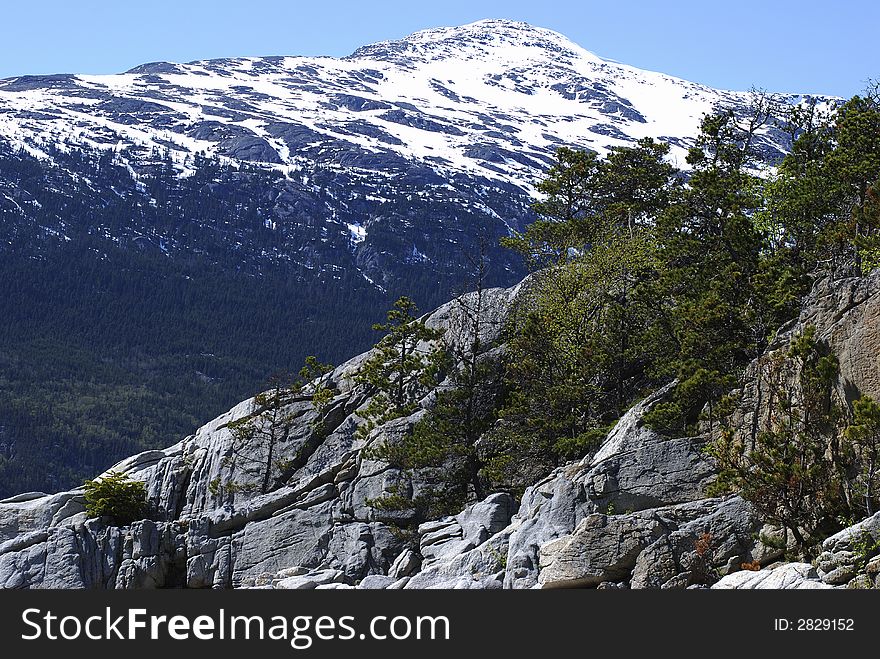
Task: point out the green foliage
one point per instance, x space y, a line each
572 448
709 255
822 203
563 224
585 196
581 342
404 366
393 500
793 472
641 281
257 437
865 548
214 486
116 496
863 449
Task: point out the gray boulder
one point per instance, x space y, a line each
703 540
456 535
635 469
848 553
310 581
788 576
478 568
601 548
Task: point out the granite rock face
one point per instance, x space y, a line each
571 529
318 519
846 316
788 576
632 515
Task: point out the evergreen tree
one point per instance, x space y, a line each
564 224
443 445
709 256
855 165
792 472
404 366
585 196
116 496
257 436
863 453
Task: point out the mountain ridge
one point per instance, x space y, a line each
468 83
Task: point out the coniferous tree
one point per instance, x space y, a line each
862 451
443 445
709 254
405 365
258 436
116 496
794 472
575 360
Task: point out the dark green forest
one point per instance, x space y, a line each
110 345
136 306
100 358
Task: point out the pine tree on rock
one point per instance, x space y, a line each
404 366
443 445
576 358
710 251
258 436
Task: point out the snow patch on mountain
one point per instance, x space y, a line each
492 99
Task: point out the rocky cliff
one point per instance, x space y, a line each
632 515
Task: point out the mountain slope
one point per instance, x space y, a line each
493 98
458 124
632 514
171 235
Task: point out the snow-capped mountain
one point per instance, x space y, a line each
387 159
494 98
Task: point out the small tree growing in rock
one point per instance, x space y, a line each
864 447
443 445
116 496
257 436
792 473
403 368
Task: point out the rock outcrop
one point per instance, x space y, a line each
632 515
318 520
846 316
786 576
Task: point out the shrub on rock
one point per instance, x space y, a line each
116 496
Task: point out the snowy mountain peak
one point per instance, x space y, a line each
385 169
482 39
494 98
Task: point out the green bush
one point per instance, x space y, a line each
116 496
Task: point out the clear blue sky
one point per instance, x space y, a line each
780 45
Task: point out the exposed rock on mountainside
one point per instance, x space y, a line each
384 163
633 515
846 315
460 123
318 519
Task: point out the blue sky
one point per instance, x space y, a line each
784 45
